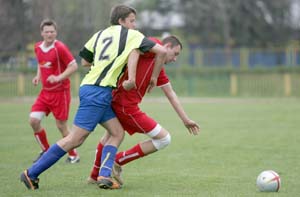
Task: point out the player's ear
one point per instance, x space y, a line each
168 45
121 21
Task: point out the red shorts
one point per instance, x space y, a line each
134 120
56 102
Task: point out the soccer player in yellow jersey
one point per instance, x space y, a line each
107 53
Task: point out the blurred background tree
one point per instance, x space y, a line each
209 23
258 23
76 20
230 46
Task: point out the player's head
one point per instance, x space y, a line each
123 15
48 31
173 46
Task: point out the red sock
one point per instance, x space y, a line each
97 161
129 155
41 138
73 153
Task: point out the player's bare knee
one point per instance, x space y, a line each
74 140
162 142
117 134
120 135
34 123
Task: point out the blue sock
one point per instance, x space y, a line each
50 157
107 160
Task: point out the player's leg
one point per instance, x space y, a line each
30 176
63 128
85 121
135 121
97 161
38 111
40 135
158 142
109 151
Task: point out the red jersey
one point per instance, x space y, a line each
143 75
53 60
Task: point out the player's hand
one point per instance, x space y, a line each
192 126
53 79
152 84
129 84
35 80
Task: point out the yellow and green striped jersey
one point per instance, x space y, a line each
108 51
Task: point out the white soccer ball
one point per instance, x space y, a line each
268 181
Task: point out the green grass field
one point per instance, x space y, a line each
239 139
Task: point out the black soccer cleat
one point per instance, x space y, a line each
29 183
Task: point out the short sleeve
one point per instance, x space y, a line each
162 78
140 41
65 54
87 52
146 45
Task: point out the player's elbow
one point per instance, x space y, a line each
75 66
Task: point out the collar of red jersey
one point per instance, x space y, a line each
46 49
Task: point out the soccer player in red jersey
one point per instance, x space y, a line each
55 64
125 104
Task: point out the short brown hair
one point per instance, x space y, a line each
120 12
173 40
48 22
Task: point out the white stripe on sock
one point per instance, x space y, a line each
128 156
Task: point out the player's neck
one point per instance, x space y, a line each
48 44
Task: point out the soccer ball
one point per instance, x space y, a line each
268 181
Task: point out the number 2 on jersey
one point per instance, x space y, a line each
106 42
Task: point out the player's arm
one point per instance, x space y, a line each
87 57
65 58
146 45
36 79
191 125
132 62
71 68
85 63
161 53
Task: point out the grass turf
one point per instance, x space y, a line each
239 138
